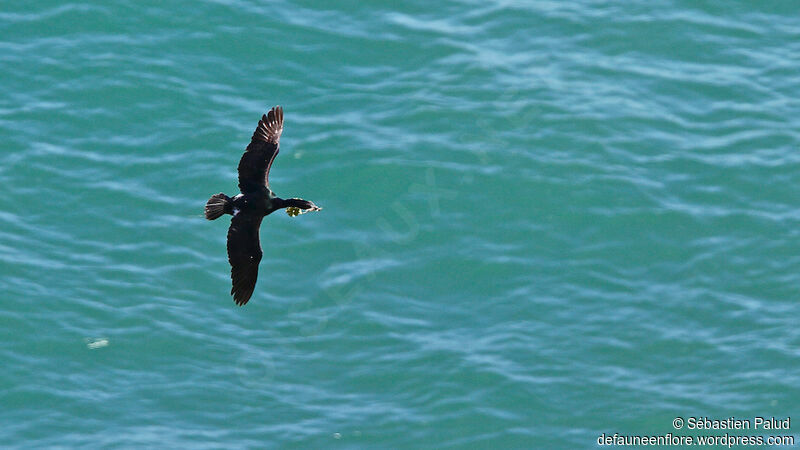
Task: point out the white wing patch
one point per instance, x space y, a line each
236 210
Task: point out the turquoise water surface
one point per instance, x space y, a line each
543 221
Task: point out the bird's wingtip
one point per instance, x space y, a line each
270 126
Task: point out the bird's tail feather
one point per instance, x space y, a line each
216 206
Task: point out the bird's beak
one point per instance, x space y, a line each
294 211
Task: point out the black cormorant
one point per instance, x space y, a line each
256 201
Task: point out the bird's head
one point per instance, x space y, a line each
300 206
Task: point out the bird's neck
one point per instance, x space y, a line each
288 203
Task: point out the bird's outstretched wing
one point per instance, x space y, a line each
264 145
244 254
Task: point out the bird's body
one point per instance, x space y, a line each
254 203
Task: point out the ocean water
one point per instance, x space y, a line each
543 221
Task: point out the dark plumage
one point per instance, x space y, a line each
249 208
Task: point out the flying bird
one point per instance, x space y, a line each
255 201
